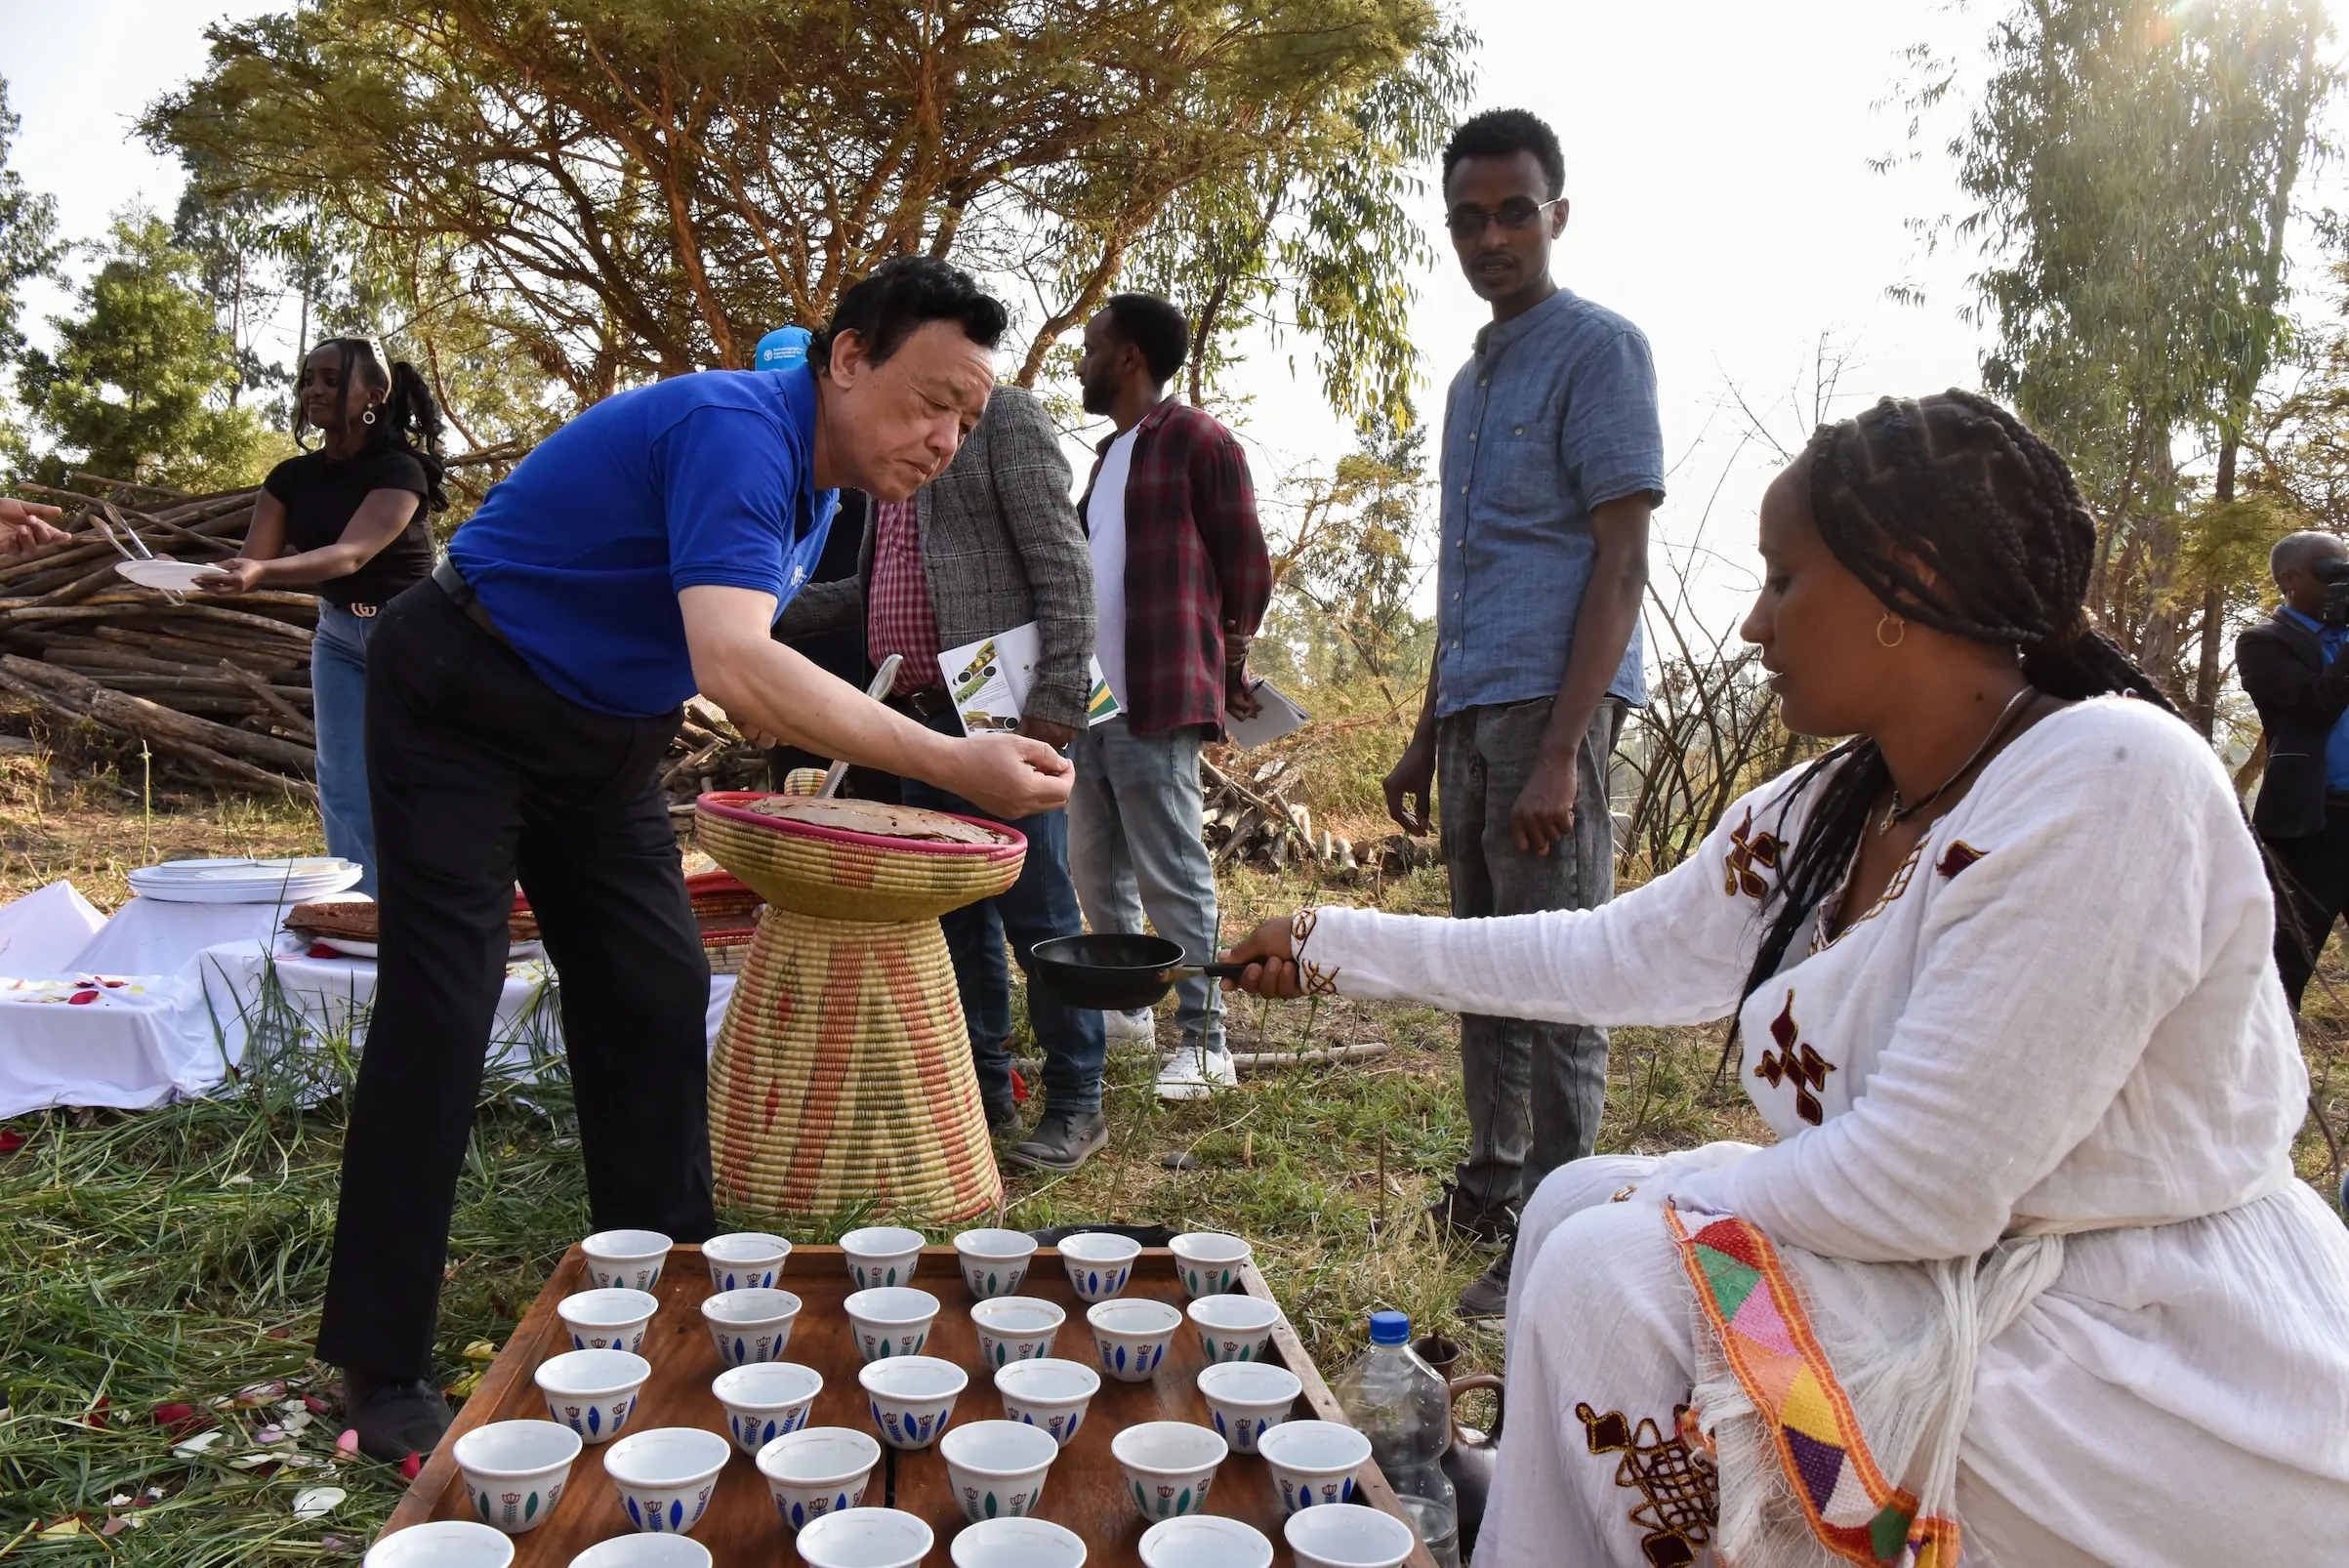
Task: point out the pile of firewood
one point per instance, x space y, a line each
217 690
1253 821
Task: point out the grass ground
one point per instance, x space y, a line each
177 1258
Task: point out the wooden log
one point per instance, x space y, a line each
201 687
278 705
106 658
153 721
229 769
207 649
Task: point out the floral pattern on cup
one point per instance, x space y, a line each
515 1470
1050 1394
751 1324
1015 1327
818 1471
912 1398
745 1260
514 1512
596 1420
626 1259
1313 1462
1209 1263
1167 1466
881 1256
994 1263
1304 1492
1098 1263
997 1469
1133 1337
656 1512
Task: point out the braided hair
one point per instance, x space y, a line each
1955 516
405 421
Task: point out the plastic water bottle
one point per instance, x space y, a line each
1403 1407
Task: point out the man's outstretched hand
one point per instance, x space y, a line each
1010 776
26 525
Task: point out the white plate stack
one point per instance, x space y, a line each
244 882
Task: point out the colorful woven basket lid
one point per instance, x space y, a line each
856 859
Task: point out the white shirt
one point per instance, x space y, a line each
1105 523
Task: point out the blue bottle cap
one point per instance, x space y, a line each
1391 1328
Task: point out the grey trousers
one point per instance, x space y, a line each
1134 848
1534 1090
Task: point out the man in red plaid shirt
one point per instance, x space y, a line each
1180 580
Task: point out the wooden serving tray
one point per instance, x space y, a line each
1085 1490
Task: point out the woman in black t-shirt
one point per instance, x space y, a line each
348 521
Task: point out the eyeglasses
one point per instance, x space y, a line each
1469 222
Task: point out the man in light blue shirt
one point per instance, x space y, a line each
1552 460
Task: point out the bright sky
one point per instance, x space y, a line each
1716 160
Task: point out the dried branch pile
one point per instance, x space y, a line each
1253 821
218 691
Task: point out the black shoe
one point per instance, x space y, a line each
1467 1221
1002 1120
1061 1141
1489 1296
395 1417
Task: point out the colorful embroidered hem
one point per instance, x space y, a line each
1749 1301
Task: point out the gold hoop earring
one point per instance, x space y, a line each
1897 638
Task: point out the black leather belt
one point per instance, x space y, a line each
929 702
451 582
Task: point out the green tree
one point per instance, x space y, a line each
140 384
2135 165
29 243
636 188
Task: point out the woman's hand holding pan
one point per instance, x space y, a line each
1271 960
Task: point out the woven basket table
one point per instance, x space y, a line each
843 1077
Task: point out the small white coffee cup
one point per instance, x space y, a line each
818 1471
889 1320
441 1543
912 1397
1233 1327
1098 1262
996 1468
626 1259
612 1319
1133 1337
865 1538
745 1260
1015 1327
1347 1538
1245 1397
882 1255
994 1261
1047 1393
1312 1462
752 1325
765 1399
644 1552
1017 1543
1205 1541
592 1391
1168 1466
1208 1262
665 1475
515 1470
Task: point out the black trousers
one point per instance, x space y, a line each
2311 878
481 773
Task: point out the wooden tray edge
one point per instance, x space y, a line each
424 1494
1325 1407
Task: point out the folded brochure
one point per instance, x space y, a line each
990 680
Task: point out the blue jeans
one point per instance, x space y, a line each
1133 846
1042 904
338 695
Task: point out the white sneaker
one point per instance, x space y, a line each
1142 1024
1194 1073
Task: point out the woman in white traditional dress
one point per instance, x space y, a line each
2028 1279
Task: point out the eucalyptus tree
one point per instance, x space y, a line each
627 188
2133 165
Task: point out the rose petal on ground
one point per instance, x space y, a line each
348 1442
409 1466
318 1502
198 1443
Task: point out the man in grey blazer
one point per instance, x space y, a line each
991 544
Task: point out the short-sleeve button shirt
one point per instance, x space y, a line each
1553 415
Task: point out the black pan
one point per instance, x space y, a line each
1117 974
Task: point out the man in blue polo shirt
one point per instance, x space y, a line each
519 707
1552 460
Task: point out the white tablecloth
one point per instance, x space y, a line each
41 933
143 1040
155 937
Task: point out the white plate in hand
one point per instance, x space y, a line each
172 576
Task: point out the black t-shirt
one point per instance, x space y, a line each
321 494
